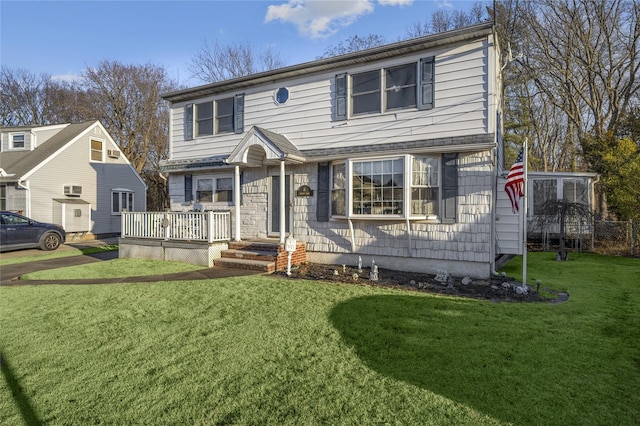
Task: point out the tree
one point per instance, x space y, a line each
353 44
445 20
583 56
22 97
214 62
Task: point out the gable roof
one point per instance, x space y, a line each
18 163
386 51
274 145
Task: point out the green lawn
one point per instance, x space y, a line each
45 255
262 350
115 268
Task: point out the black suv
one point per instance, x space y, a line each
19 232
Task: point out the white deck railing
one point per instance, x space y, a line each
206 226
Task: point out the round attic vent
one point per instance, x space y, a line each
281 96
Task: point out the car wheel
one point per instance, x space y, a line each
50 241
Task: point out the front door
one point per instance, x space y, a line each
274 209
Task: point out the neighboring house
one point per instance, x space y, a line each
388 153
73 175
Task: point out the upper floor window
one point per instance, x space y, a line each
96 150
204 119
224 115
377 91
17 141
365 92
214 117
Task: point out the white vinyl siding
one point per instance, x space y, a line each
97 181
307 119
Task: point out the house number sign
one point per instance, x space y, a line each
304 191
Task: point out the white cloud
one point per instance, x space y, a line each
395 2
69 77
320 18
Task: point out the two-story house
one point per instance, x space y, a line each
73 175
387 153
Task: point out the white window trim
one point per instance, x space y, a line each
203 205
121 191
91 150
12 142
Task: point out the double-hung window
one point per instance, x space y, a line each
214 117
204 119
400 86
405 86
425 186
17 141
365 92
96 150
224 115
214 190
121 199
338 187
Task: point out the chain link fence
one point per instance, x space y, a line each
618 238
621 238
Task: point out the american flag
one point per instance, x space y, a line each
515 182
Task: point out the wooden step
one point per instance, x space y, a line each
249 264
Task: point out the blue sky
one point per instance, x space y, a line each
62 38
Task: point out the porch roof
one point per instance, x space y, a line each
261 146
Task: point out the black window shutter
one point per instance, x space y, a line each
188 188
238 113
188 122
341 96
449 187
427 83
322 207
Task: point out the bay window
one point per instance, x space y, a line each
415 187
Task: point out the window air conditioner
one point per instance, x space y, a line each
113 153
72 190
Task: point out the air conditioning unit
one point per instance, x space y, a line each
113 153
72 190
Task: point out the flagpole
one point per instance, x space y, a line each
525 191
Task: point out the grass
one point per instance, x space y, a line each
261 350
44 255
116 268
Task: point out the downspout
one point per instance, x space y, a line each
352 234
27 198
494 202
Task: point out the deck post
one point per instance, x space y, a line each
282 202
236 202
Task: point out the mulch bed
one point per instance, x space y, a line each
498 289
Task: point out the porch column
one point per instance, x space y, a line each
282 203
236 201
